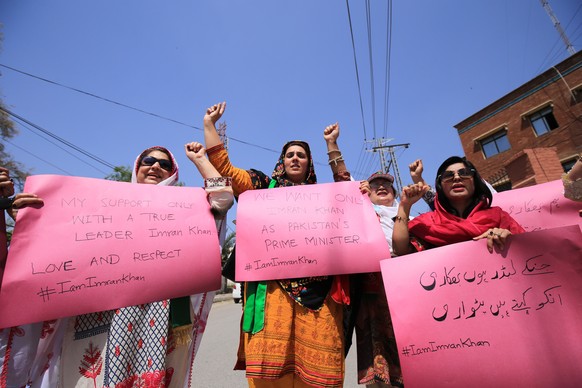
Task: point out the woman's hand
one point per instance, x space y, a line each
365 187
195 151
6 184
576 170
495 236
24 200
412 193
214 113
416 169
331 133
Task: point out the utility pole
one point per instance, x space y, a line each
388 161
558 26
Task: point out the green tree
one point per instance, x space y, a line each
227 246
8 131
120 174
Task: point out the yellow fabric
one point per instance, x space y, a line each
298 342
241 180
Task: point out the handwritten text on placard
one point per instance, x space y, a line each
540 207
97 245
310 230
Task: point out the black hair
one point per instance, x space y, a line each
482 192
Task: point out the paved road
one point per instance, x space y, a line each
217 353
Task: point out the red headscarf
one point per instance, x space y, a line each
439 227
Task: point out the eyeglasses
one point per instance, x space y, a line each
464 173
376 183
164 163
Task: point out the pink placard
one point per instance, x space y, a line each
464 317
310 230
540 207
97 245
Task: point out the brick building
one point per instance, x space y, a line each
531 135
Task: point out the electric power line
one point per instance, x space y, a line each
357 72
23 124
130 107
60 139
388 58
36 156
371 58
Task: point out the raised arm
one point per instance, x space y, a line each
401 236
416 169
197 154
217 155
213 114
219 188
336 160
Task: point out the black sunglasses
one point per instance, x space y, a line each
164 163
464 173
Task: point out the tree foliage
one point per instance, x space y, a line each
227 246
120 174
8 131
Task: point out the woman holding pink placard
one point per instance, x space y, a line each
17 344
291 333
462 212
152 344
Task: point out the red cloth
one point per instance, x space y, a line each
440 227
340 289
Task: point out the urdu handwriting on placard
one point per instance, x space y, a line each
533 266
467 310
526 207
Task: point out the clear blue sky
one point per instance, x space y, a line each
285 68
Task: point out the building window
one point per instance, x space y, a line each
577 93
567 165
543 121
495 144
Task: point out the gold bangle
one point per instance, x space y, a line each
329 152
